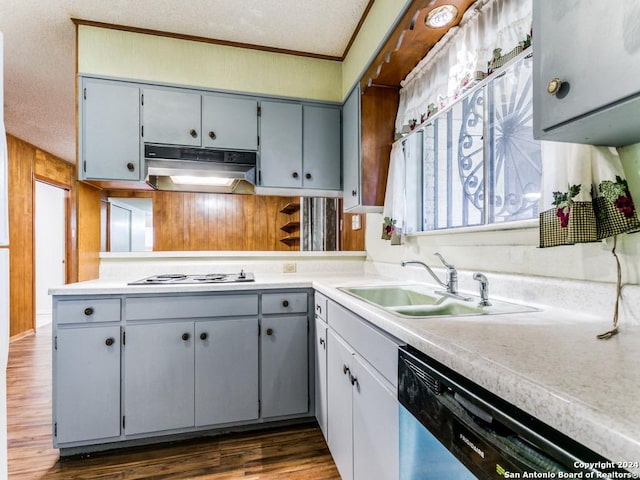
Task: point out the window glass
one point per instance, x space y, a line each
480 162
515 156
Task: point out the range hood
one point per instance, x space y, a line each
190 169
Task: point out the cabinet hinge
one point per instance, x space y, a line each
259 111
259 408
123 422
142 99
124 338
84 166
259 177
258 140
142 131
55 429
84 93
259 329
55 342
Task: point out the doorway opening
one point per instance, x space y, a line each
50 233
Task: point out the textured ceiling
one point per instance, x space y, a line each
39 46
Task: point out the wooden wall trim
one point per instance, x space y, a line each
195 38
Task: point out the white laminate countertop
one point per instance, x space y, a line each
548 363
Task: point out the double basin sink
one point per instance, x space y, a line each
419 301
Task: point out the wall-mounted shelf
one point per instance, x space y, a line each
290 208
290 239
291 227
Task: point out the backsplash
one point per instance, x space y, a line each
133 266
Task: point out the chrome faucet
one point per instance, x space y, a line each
451 283
484 289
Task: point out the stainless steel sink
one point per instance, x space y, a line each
417 301
391 296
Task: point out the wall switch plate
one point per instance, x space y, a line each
289 268
355 222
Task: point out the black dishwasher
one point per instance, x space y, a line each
453 429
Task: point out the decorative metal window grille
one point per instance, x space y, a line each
481 164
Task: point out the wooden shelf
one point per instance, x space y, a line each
290 240
290 208
290 227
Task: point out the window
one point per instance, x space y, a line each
480 162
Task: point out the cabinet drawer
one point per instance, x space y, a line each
152 308
284 302
378 348
89 310
320 307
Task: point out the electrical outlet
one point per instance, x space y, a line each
289 268
355 222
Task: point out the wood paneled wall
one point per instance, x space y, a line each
26 165
89 204
207 221
352 240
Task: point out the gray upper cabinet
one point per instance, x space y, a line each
300 146
321 148
229 122
280 145
588 94
109 131
351 150
171 116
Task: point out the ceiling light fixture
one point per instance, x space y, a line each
441 16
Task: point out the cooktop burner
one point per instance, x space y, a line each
183 279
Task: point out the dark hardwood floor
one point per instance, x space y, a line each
292 453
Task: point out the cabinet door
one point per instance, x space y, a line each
171 116
110 131
285 366
87 383
321 148
280 145
375 426
351 150
339 404
229 122
226 376
159 377
321 375
601 74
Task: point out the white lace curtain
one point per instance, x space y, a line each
465 50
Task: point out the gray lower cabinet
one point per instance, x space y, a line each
340 404
110 130
158 377
321 375
131 367
362 406
375 425
285 365
87 383
226 371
